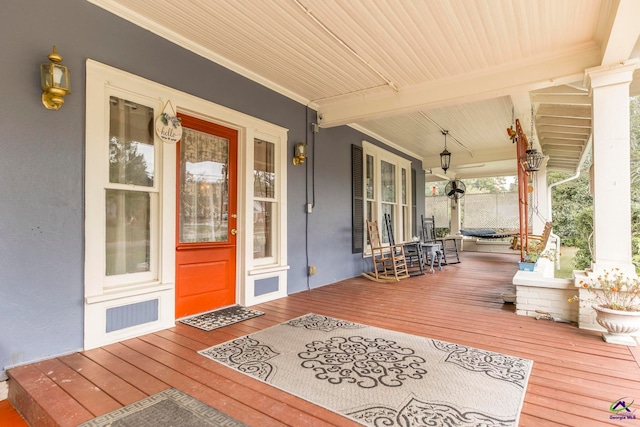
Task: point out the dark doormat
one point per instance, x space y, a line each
169 408
219 318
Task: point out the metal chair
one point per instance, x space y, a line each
449 244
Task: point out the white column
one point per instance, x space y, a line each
611 166
455 217
540 199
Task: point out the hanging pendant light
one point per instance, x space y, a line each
445 156
532 158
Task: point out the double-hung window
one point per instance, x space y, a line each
387 191
265 202
131 195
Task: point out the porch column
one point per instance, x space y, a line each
455 217
540 200
611 166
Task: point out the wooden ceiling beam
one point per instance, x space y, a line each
564 111
583 99
543 127
582 122
557 135
485 84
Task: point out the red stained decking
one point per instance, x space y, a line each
575 377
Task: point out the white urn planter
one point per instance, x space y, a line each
619 325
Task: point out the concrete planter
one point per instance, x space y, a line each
619 325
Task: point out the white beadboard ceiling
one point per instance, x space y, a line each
403 71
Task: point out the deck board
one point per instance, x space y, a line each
575 377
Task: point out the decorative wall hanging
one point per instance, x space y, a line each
168 126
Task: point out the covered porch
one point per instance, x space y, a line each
575 378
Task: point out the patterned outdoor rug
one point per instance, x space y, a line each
169 408
219 318
379 377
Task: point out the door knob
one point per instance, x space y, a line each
234 231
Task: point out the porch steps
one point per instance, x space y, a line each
40 400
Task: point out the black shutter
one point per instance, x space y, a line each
414 203
357 224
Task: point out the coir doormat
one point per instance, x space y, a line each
169 408
379 377
219 318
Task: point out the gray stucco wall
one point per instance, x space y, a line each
42 162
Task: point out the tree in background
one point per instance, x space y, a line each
572 207
635 180
496 184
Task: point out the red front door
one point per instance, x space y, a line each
206 217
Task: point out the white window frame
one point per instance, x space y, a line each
401 222
102 293
272 260
151 276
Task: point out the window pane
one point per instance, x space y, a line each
263 214
369 217
388 209
264 177
370 179
405 223
388 181
128 232
204 187
404 186
131 149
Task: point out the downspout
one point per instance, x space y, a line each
550 212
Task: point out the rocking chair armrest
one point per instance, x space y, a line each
396 246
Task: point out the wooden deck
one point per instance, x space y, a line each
575 377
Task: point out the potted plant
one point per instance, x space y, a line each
616 301
533 254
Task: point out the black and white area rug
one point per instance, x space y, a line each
219 318
380 377
169 408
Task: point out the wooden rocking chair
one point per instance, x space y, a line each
389 263
412 250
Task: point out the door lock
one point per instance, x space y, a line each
234 231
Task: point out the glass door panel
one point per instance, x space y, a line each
204 187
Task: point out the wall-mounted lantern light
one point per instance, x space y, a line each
299 153
54 79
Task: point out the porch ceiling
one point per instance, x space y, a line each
402 71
